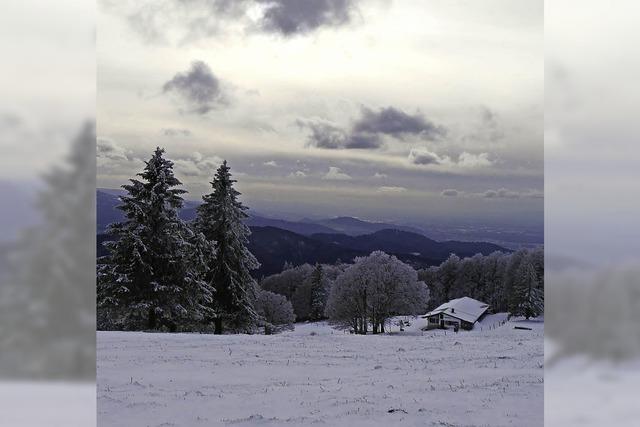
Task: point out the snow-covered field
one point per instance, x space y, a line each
582 392
52 404
318 375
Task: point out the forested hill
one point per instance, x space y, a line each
273 247
275 242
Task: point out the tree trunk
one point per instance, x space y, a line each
382 326
218 326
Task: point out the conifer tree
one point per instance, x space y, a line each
528 299
220 219
154 274
318 293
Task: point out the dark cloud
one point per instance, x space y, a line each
187 21
171 132
290 17
328 136
368 130
396 123
449 192
324 135
198 87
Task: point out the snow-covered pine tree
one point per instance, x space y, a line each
154 275
318 292
528 299
220 219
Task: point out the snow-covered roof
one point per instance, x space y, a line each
465 308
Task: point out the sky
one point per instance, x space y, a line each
387 110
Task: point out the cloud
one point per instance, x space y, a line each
271 163
380 175
335 174
368 130
396 123
198 87
197 165
449 192
291 17
328 136
420 156
469 160
109 149
297 174
187 21
424 157
504 193
171 132
391 189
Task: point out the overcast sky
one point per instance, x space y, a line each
406 110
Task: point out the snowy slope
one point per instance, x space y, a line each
317 375
581 392
52 404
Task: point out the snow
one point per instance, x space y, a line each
318 375
582 392
36 404
465 308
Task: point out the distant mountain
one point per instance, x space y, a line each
276 241
404 242
106 211
355 227
274 246
107 201
304 228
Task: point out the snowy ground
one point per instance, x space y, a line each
317 375
52 404
583 392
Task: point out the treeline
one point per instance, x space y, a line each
163 273
364 295
361 296
511 283
307 287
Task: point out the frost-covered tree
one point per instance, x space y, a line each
275 311
372 290
154 274
220 218
346 306
527 299
287 282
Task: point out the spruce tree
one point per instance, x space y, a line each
220 219
318 293
154 275
528 298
